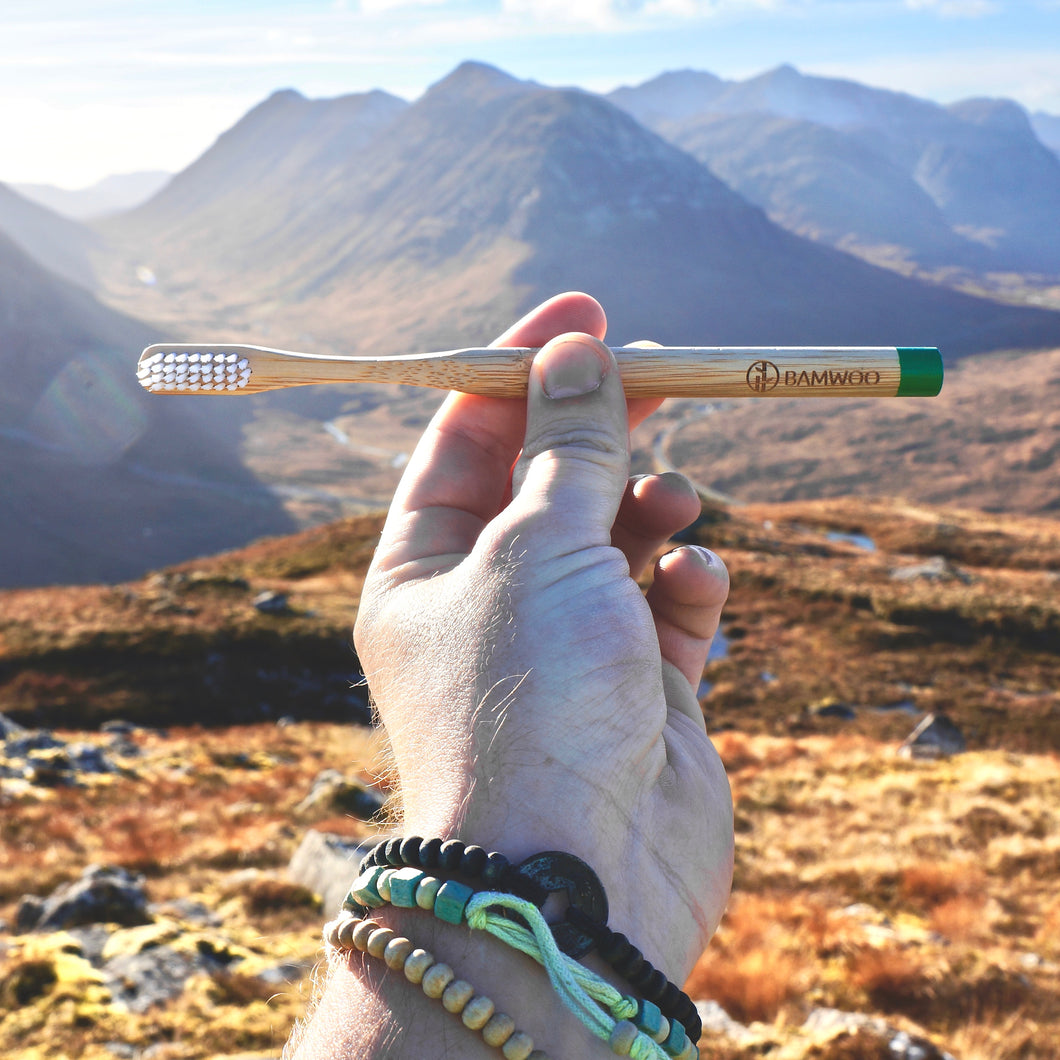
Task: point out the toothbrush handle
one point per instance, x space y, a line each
647 371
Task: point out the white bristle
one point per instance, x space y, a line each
181 358
170 358
244 365
232 358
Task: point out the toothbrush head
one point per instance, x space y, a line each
185 372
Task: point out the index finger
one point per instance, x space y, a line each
457 478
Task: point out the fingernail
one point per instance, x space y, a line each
707 558
571 369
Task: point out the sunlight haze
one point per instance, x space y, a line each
136 87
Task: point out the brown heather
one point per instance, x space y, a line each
919 891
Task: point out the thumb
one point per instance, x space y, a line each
575 458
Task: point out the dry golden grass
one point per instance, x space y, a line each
922 891
836 904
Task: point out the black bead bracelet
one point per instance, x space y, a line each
584 927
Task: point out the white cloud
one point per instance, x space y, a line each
377 7
616 14
1027 76
956 8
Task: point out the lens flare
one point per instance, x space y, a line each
91 409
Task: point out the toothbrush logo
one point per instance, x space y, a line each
763 376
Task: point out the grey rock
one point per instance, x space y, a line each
189 910
717 1021
91 938
22 744
9 728
102 895
830 1020
138 981
119 727
935 737
28 913
938 568
286 974
900 1044
88 758
326 865
834 710
272 603
334 793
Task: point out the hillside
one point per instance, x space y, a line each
876 895
990 440
59 244
122 191
187 643
101 482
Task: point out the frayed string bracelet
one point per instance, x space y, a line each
631 1027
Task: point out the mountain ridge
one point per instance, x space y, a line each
995 183
473 210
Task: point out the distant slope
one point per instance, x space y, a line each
62 246
837 160
101 481
989 441
436 222
113 194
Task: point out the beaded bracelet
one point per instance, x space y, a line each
437 980
585 921
631 1027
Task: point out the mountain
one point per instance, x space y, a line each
378 226
62 246
1047 129
100 480
837 160
285 149
113 194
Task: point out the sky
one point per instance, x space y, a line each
90 88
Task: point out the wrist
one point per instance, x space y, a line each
581 1009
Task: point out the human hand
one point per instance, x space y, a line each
533 697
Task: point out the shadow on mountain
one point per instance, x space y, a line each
101 481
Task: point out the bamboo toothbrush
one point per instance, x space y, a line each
647 371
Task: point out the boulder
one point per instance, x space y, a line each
138 981
829 1024
272 603
936 569
332 793
9 728
326 865
102 895
935 737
